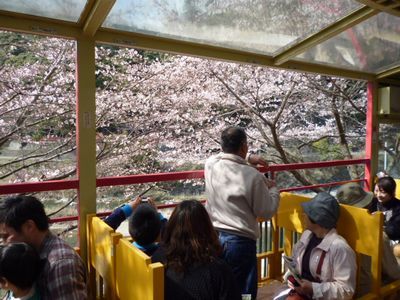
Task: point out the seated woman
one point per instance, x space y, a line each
386 202
323 258
190 252
353 194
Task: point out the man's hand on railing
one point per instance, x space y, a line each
270 183
255 159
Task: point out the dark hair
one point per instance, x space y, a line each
190 237
20 264
144 224
232 138
387 184
15 211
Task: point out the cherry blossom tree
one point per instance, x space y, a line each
158 112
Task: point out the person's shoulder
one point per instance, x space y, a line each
158 255
56 249
396 204
212 158
341 244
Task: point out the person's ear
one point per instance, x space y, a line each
29 227
243 149
4 283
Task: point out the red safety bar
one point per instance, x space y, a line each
55 185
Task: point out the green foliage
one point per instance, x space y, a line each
16 51
327 150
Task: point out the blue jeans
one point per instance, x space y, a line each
241 254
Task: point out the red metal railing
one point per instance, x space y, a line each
174 176
55 185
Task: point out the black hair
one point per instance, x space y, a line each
387 184
15 211
232 138
20 264
144 224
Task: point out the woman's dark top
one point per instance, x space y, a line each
209 281
391 211
305 264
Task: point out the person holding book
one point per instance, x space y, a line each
323 259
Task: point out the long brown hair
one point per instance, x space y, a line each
190 237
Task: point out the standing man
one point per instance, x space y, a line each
237 193
23 219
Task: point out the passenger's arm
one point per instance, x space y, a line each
163 219
392 227
265 200
255 159
344 276
122 213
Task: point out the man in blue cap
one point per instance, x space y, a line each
323 258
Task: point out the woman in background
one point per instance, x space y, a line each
190 251
386 202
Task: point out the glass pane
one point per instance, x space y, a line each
59 204
37 108
372 46
66 10
264 26
389 149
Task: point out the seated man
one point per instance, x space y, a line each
353 194
23 219
145 223
324 260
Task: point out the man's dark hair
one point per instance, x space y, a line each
232 138
144 224
387 184
20 264
15 211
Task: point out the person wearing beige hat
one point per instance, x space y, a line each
353 194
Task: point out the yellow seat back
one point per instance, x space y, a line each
397 188
289 217
362 231
102 241
136 277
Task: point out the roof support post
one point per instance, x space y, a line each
86 134
372 134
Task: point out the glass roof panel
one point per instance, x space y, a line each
66 10
261 26
372 46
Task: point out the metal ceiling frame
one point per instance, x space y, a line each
96 11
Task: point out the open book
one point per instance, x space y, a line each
295 277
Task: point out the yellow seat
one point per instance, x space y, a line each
102 241
362 231
136 277
397 188
117 269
